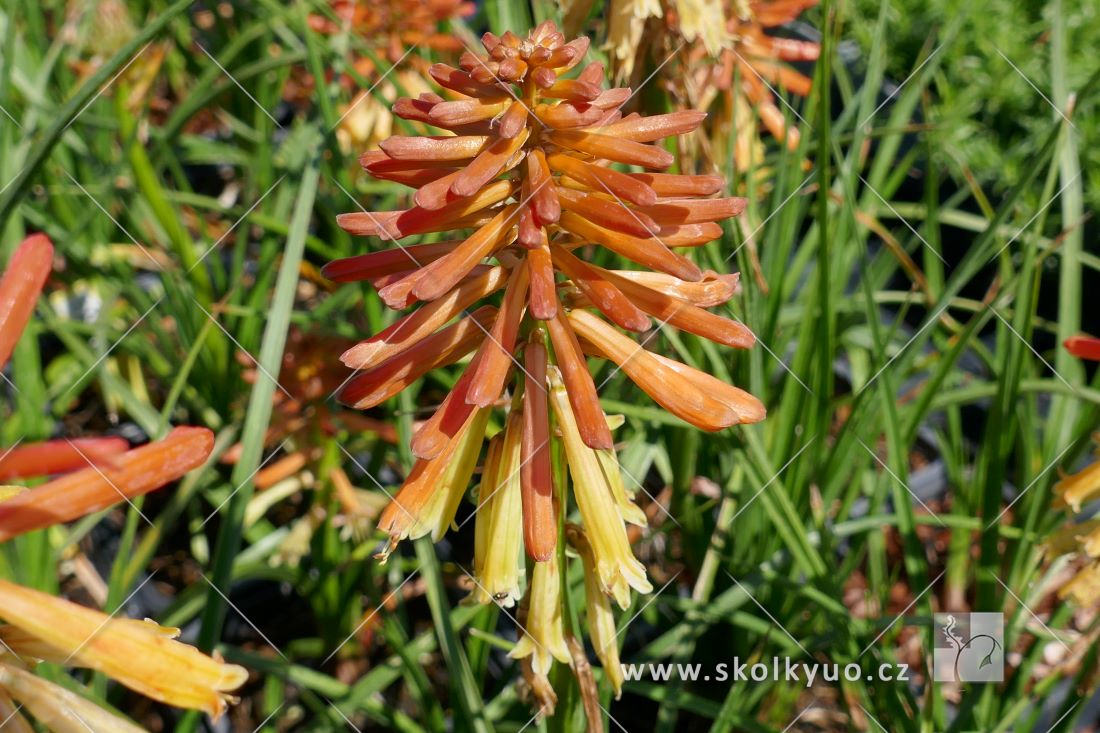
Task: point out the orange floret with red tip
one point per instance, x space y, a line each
95 488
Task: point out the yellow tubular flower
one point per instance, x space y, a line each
1079 487
600 618
498 524
139 654
439 513
1091 541
1067 538
1075 490
1084 588
544 635
628 510
616 566
58 709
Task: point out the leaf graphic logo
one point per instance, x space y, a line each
970 649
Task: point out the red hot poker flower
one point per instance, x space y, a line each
540 164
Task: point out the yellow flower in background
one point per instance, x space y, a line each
367 120
1077 488
1084 588
625 26
704 21
60 710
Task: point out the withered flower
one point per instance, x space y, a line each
1074 491
540 163
99 472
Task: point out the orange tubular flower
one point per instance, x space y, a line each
94 488
58 456
19 289
1084 347
35 626
540 165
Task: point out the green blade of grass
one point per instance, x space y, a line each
258 415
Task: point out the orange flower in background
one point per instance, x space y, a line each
1074 491
304 419
395 25
100 472
1084 347
20 285
307 380
395 30
760 62
727 54
541 164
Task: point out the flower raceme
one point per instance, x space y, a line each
98 473
761 62
1074 491
538 160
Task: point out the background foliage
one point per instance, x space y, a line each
909 271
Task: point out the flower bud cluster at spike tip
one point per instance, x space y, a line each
535 165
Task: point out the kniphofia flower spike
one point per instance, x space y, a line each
541 164
34 627
1074 491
